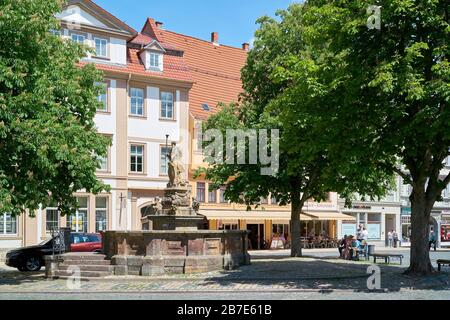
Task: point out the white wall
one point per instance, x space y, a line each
74 15
106 124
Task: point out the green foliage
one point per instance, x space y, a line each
290 72
48 141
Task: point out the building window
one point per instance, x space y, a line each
51 219
154 60
212 196
200 191
280 229
101 214
373 225
78 38
103 163
137 158
228 226
8 224
101 46
222 195
198 135
164 161
78 222
55 32
103 97
167 105
137 102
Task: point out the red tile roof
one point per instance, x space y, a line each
216 70
175 68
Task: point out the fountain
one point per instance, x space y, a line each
171 240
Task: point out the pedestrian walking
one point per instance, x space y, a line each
432 239
395 238
390 238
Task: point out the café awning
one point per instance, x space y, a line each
329 216
215 214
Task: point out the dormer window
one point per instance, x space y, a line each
154 60
153 56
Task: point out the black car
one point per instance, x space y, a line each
32 258
29 258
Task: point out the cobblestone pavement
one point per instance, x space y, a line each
272 275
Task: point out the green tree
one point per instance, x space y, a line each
391 99
282 82
48 141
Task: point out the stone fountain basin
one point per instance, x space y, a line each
159 252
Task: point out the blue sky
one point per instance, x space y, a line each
233 19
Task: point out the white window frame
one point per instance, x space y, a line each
138 103
102 96
163 162
47 231
137 154
102 41
165 103
101 210
3 218
77 216
104 161
78 36
154 60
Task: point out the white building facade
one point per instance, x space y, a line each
145 107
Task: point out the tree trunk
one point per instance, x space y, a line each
296 208
420 263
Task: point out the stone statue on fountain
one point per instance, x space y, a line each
175 168
177 196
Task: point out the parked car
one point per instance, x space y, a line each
85 242
32 258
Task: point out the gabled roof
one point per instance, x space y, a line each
103 15
154 43
215 69
175 68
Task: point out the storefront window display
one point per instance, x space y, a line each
445 229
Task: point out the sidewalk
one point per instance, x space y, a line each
264 275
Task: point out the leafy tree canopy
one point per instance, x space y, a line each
48 140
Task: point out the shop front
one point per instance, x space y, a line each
406 226
377 219
445 230
271 229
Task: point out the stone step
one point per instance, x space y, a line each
83 256
102 268
85 262
83 274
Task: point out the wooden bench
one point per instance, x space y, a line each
442 262
387 257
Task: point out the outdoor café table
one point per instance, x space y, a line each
387 257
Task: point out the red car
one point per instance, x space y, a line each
85 242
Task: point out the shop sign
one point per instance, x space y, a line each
362 207
406 211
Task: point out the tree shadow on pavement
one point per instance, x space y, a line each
324 275
10 276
